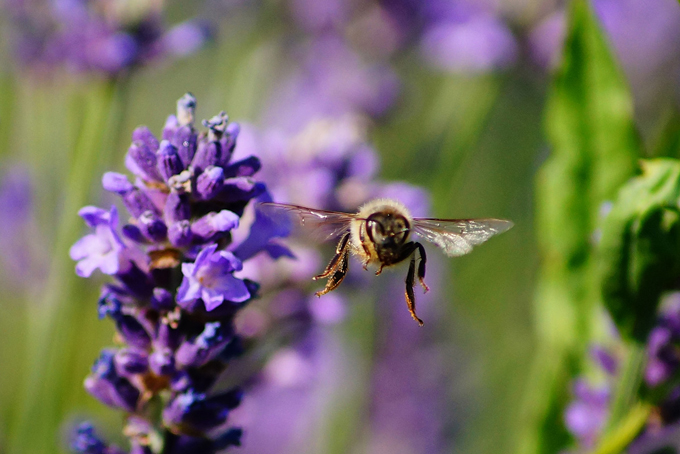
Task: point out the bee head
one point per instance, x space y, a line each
387 229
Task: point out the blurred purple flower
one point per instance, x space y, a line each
320 15
456 35
297 386
472 42
645 36
663 440
96 35
663 344
19 240
586 415
605 359
331 80
408 380
187 38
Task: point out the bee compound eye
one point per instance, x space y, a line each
375 230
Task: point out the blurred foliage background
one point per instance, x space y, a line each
507 331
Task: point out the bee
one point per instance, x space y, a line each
381 234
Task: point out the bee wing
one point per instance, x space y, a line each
458 236
322 224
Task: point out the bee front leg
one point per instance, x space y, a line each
338 274
334 264
421 267
410 282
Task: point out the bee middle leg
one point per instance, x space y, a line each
421 266
410 297
410 250
337 268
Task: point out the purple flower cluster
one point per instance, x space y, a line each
175 293
96 35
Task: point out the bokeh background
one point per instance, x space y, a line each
447 96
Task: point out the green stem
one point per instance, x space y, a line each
621 436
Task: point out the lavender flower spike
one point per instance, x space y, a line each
175 295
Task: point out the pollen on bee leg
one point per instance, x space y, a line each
412 308
410 297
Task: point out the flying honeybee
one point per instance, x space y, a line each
380 234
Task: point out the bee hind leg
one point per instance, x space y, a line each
337 268
338 274
334 264
410 297
421 267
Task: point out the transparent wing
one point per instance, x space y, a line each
458 236
324 225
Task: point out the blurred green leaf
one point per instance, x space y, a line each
640 245
589 122
666 141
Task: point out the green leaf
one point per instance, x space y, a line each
589 120
639 255
590 127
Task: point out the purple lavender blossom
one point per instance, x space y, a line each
104 249
663 344
586 415
94 36
210 279
177 326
